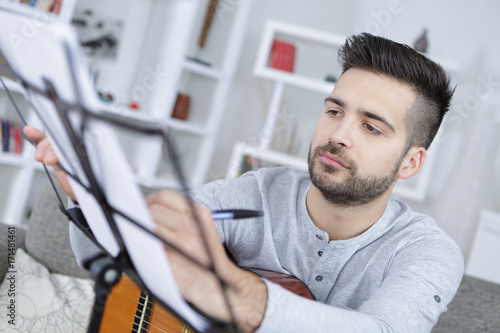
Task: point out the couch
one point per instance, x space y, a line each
476 307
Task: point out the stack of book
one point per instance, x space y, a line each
10 132
52 6
282 55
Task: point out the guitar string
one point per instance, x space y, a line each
146 329
145 306
168 328
149 307
149 323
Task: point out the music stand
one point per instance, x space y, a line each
51 68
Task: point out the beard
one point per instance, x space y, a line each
355 190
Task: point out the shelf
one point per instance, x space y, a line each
202 70
296 80
241 149
137 117
159 183
11 159
12 86
39 167
187 127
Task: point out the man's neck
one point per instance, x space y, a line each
342 222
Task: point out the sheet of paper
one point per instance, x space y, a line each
147 253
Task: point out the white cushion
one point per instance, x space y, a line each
44 301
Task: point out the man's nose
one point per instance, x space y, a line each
342 134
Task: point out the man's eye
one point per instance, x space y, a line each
372 130
334 113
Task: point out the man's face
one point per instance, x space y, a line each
359 141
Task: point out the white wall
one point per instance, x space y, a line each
459 31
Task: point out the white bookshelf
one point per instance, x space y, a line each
157 35
168 42
20 175
319 41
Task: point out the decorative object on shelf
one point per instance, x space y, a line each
133 105
105 97
282 55
249 163
421 44
99 36
331 78
181 107
207 24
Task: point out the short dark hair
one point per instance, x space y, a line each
399 61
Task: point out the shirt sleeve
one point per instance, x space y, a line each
421 281
82 246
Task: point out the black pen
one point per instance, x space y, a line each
235 214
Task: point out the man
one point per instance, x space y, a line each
372 263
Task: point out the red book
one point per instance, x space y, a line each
56 6
12 136
19 141
282 55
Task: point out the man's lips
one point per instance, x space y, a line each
332 160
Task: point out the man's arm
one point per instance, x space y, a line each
422 280
246 293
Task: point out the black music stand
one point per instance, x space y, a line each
62 95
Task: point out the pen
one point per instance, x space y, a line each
235 214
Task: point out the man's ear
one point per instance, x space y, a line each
413 162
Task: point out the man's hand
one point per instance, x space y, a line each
45 154
246 293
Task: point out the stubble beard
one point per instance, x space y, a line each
354 190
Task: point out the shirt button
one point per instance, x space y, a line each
320 253
319 237
319 278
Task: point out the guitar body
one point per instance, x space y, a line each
128 309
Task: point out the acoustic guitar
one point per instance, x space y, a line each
128 309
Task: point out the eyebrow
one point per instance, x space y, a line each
337 101
363 112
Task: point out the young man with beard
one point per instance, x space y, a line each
372 263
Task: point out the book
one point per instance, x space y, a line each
18 138
5 135
56 6
282 55
12 136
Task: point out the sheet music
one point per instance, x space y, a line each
106 156
147 253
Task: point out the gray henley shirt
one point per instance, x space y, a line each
398 276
